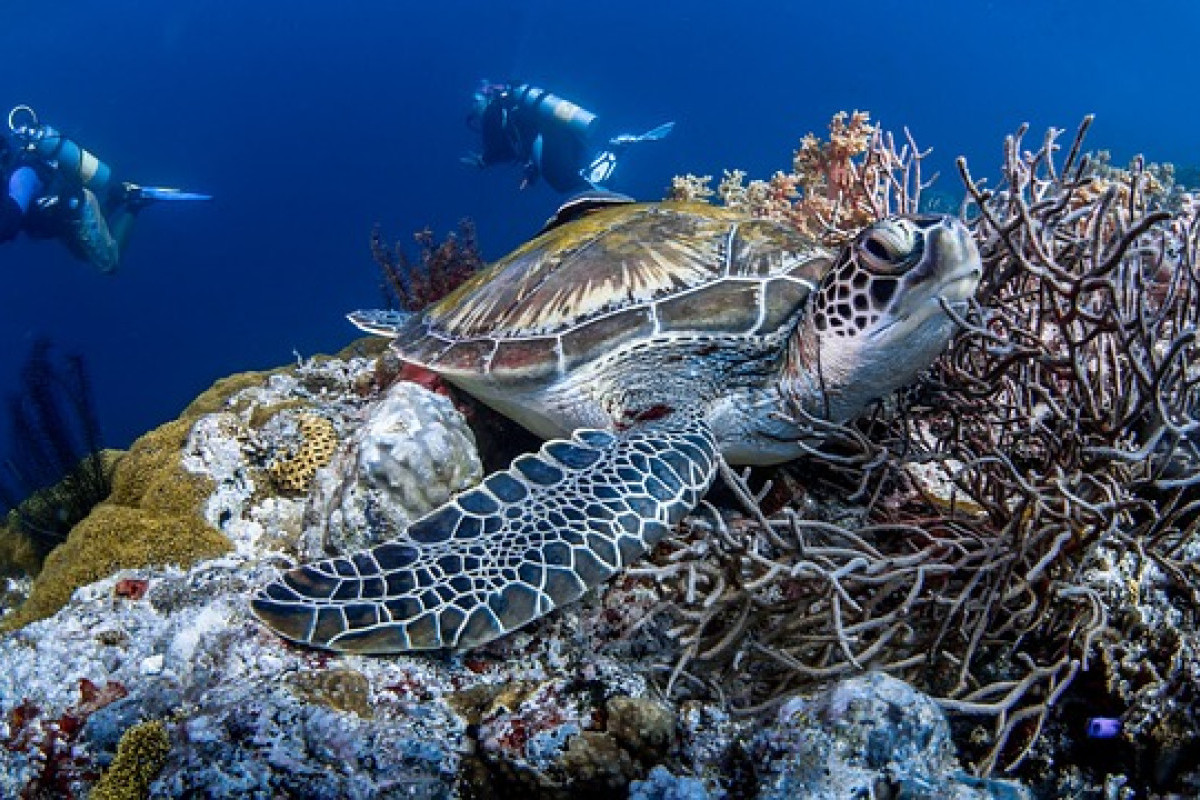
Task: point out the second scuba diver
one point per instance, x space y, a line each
548 136
58 190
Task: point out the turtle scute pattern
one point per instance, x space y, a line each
525 541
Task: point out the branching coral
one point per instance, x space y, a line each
1061 428
439 268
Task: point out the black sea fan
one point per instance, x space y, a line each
56 471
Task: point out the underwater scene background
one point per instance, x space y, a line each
987 586
311 122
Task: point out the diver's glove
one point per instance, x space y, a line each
473 160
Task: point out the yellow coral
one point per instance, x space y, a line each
141 754
296 472
153 516
18 555
112 538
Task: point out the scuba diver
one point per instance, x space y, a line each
547 135
58 190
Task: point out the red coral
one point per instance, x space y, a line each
50 743
132 588
92 698
423 377
438 270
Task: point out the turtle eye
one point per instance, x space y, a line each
889 246
877 249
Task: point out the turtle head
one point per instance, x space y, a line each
879 316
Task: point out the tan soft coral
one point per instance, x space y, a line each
835 187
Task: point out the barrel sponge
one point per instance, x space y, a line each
141 754
319 442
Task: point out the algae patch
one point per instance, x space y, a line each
141 754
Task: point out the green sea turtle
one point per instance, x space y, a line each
645 341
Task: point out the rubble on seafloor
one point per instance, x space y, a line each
157 678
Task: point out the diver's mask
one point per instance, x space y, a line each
483 97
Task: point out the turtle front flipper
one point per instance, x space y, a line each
520 544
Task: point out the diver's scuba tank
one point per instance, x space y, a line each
57 150
551 109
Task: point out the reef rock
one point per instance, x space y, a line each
869 736
157 678
412 452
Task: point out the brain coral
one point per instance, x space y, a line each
413 451
319 442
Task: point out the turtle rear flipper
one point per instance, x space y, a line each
525 541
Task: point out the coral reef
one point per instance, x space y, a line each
1023 518
559 710
438 270
864 737
1015 538
115 538
151 517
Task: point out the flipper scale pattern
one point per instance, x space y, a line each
525 541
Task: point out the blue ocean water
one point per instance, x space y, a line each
312 121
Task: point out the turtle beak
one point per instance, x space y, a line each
948 274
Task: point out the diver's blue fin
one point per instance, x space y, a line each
661 132
169 193
378 321
138 196
652 135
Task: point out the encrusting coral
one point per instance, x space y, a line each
318 442
152 516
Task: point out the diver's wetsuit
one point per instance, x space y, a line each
514 131
75 216
12 216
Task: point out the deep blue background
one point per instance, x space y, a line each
312 121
